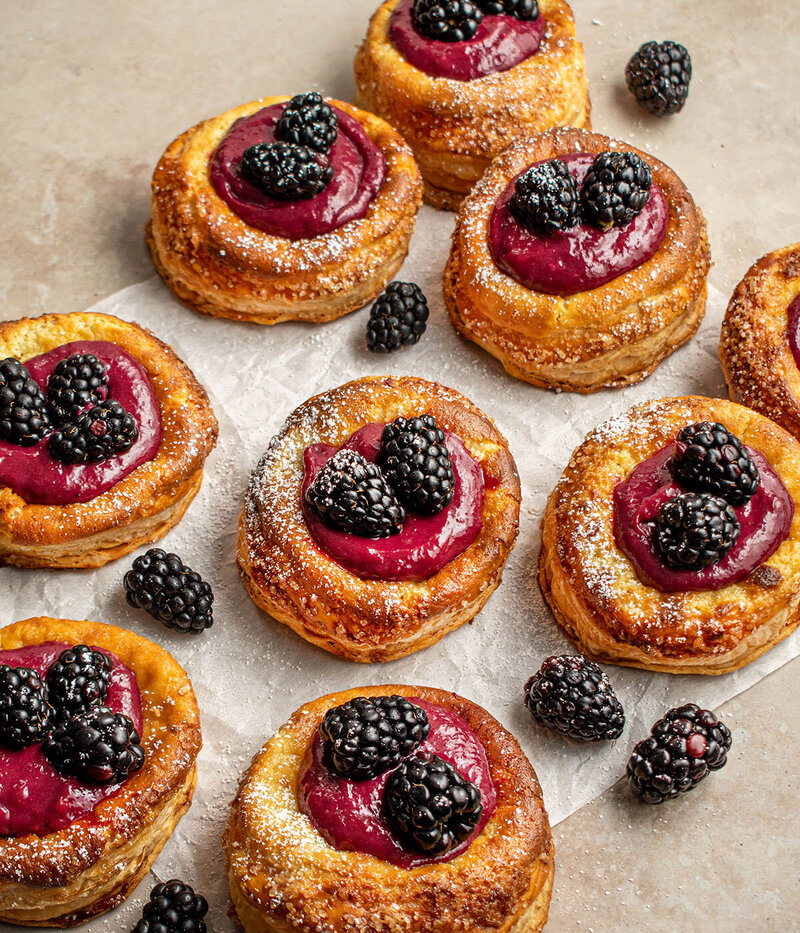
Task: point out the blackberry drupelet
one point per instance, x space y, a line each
77 680
286 171
24 712
417 464
681 750
658 76
521 9
571 695
546 198
170 591
430 804
397 318
616 188
75 382
308 121
366 736
447 20
173 908
23 412
353 494
695 530
708 458
103 431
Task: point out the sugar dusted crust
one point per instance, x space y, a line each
609 336
67 877
148 502
592 587
289 577
216 263
284 877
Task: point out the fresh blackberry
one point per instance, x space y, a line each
417 464
75 382
681 750
521 9
24 713
170 591
446 20
173 908
430 804
658 76
695 530
368 735
23 414
708 458
397 318
353 495
77 680
546 197
308 121
573 696
615 189
286 171
97 744
95 435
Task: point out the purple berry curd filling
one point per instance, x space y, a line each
500 43
359 169
566 262
765 521
793 330
349 814
427 543
38 478
34 797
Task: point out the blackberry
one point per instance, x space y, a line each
573 696
366 736
173 908
103 431
658 76
417 464
308 121
546 197
695 530
446 20
431 805
23 414
615 189
708 458
353 495
77 680
286 171
397 318
77 381
681 750
170 591
97 744
521 9
24 713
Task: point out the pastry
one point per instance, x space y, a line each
308 848
594 291
103 437
671 541
247 223
459 102
373 582
76 836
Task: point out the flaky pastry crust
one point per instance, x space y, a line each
291 578
610 336
284 876
153 498
216 263
67 877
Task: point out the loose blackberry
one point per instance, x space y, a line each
352 494
417 464
173 908
24 713
521 9
397 318
681 750
658 76
366 736
708 458
170 591
430 804
615 189
23 414
546 198
77 680
103 431
446 20
286 171
573 696
97 744
75 382
308 121
695 530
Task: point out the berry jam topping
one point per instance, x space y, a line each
308 121
286 171
793 329
96 435
77 681
24 711
546 198
23 412
708 458
615 189
76 383
446 20
173 908
658 76
397 318
695 530
170 591
417 465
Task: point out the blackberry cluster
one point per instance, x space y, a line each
447 20
308 121
95 435
23 412
78 680
286 171
24 712
397 318
615 189
527 10
658 76
546 197
417 464
76 382
695 530
170 591
708 458
173 908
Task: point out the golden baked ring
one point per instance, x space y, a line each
291 578
66 877
148 502
216 263
284 876
612 335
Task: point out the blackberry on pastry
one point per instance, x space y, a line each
77 681
615 189
708 458
101 432
76 382
23 411
24 710
546 197
308 120
287 171
417 464
695 530
447 20
521 9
